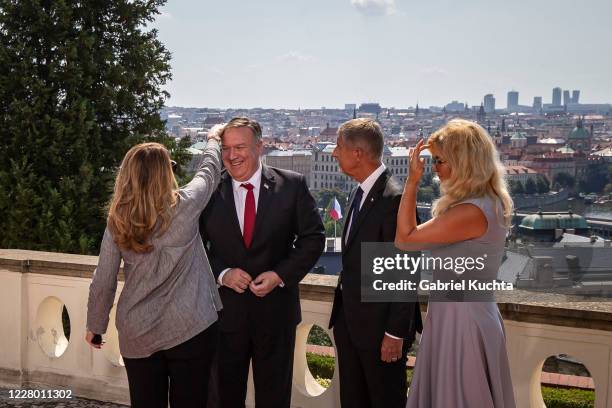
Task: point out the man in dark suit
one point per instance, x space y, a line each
372 339
263 233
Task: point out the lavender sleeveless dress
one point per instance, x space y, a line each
462 360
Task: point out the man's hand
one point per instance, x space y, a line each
236 279
391 349
215 132
264 283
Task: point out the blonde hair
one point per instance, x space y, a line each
476 170
145 193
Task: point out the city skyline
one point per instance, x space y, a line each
309 54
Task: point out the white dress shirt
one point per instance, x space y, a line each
240 194
366 186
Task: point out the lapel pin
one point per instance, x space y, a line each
266 186
372 199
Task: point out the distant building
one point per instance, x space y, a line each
575 96
556 96
350 107
537 104
325 173
329 134
299 161
373 108
521 173
455 106
579 138
551 164
543 227
489 103
566 97
518 140
513 101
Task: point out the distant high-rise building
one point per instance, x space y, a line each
566 97
537 103
556 96
350 107
489 103
513 98
480 116
370 108
575 96
454 106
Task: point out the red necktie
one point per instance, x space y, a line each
249 215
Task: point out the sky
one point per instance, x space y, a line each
326 53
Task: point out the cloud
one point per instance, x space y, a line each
434 72
295 56
290 57
375 7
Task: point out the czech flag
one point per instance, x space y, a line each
335 212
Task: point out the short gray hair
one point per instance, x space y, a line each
365 133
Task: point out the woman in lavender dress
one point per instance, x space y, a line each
462 360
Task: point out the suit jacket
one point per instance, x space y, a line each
288 238
376 222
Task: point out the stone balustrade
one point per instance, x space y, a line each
35 353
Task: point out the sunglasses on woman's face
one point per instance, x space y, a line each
436 161
174 165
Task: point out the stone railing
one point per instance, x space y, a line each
35 353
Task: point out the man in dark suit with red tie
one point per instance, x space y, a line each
372 339
263 233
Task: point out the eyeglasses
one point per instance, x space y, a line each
436 161
174 165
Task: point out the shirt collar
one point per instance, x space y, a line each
368 183
255 180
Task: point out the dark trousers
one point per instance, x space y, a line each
365 380
182 373
270 350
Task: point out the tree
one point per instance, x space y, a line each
542 185
516 187
80 83
425 194
325 196
596 178
530 186
564 180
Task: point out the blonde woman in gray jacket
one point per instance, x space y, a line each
167 310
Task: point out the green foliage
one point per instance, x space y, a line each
318 337
320 366
596 178
428 190
80 83
425 194
568 397
325 200
516 187
325 197
564 180
542 185
530 186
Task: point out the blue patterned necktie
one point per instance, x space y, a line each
355 207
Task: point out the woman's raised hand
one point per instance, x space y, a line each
416 165
215 132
